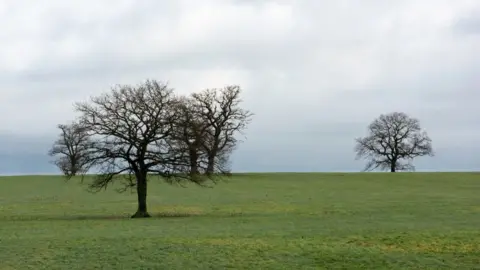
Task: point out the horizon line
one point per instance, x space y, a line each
275 172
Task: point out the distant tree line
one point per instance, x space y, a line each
133 132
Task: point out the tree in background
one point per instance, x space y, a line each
71 150
137 131
393 141
220 110
189 133
209 122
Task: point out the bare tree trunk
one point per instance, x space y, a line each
211 164
212 154
393 166
193 162
142 196
193 169
73 166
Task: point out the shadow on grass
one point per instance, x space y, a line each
74 217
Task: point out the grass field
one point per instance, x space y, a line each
256 221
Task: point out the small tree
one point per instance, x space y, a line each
394 140
220 110
71 150
132 130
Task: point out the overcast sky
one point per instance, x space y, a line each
314 72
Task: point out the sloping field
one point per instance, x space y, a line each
255 221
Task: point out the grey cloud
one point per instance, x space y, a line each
469 24
23 154
316 73
25 164
24 144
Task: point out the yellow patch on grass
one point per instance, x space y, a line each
424 246
259 208
476 209
177 210
231 242
43 255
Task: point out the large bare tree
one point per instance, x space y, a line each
131 129
71 150
220 110
393 141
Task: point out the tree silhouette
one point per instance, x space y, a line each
71 150
132 131
393 141
220 110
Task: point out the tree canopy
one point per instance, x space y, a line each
393 141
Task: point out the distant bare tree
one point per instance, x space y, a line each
394 140
220 110
131 130
71 150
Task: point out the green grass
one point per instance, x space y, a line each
256 221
